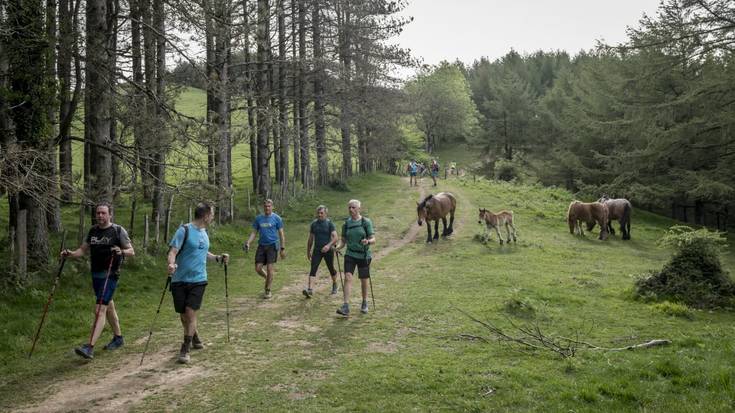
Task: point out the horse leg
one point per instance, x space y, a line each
436 229
451 223
514 231
603 231
428 229
610 228
498 232
627 229
444 227
507 232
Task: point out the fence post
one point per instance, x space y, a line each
168 216
22 244
158 228
82 213
145 234
133 207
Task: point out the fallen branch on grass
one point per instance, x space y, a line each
533 338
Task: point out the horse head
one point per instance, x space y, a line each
420 212
603 198
481 218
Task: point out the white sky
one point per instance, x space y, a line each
469 29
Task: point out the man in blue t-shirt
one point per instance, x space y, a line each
271 240
187 265
413 169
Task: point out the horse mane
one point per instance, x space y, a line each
423 203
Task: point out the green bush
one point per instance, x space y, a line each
694 275
674 309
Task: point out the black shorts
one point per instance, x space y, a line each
187 295
363 266
316 259
266 254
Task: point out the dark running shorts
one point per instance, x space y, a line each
363 266
412 173
99 284
316 259
187 295
266 254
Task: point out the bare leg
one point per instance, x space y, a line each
364 288
189 321
100 322
259 270
112 318
269 277
347 287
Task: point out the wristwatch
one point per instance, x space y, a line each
283 248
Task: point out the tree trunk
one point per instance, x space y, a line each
303 124
249 81
68 50
345 119
294 96
319 126
261 91
53 209
282 113
159 155
149 74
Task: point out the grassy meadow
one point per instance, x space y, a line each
415 351
412 352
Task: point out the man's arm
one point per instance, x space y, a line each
250 239
282 236
309 244
79 252
171 258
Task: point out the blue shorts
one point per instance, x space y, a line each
412 173
109 290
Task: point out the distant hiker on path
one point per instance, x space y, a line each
271 240
357 234
413 170
322 236
434 170
108 245
187 263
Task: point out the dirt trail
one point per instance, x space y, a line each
127 384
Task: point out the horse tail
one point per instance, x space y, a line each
570 217
627 210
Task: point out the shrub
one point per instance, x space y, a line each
339 185
694 274
674 309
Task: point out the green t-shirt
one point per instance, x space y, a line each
322 231
353 232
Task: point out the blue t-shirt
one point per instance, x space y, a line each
192 262
414 167
268 227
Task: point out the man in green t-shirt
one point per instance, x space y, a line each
322 236
357 234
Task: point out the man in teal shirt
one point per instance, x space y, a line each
357 235
322 235
271 240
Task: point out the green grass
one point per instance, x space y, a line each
407 354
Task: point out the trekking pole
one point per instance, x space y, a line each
341 280
51 294
102 297
372 296
150 332
227 304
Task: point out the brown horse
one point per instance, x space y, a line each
434 208
502 218
620 209
590 213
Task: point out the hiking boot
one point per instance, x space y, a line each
344 310
116 342
184 354
308 292
364 307
334 289
196 343
85 351
267 294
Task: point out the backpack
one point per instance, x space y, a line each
186 237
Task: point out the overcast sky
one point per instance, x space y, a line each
469 29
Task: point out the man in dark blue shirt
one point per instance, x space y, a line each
322 235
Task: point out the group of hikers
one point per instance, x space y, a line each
108 244
416 169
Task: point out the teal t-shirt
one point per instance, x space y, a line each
192 262
322 231
355 231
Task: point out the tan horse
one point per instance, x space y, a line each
434 208
502 218
590 213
